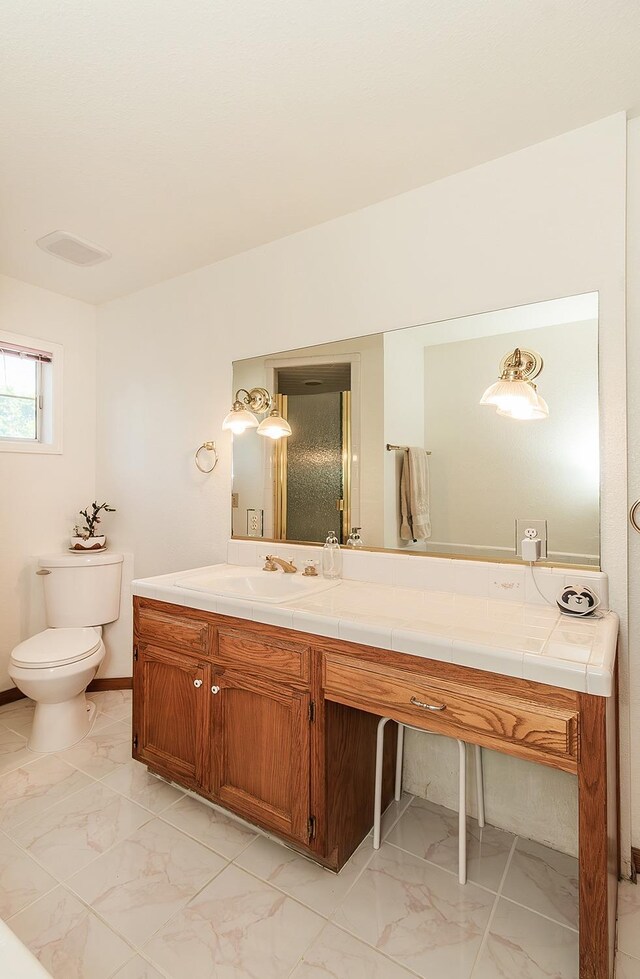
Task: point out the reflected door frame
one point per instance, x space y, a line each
351 444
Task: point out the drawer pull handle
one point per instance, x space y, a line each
197 683
419 703
215 688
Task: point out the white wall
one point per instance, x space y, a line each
40 494
548 221
630 693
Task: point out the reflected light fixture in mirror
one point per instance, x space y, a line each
514 394
274 426
242 417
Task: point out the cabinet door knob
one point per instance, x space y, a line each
215 689
197 683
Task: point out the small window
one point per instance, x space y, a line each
30 394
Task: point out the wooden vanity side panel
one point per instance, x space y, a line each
597 884
350 777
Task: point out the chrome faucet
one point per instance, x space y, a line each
272 562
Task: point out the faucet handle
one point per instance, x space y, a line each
269 563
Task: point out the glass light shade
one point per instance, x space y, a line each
510 396
274 426
524 412
239 420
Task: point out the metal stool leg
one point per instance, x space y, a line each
462 815
399 760
479 786
377 806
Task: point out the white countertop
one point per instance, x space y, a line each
531 641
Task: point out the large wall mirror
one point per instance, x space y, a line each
355 408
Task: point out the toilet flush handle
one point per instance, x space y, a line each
43 571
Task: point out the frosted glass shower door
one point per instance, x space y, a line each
315 472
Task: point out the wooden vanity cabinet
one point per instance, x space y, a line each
234 711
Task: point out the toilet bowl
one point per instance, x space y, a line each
54 669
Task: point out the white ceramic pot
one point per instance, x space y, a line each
88 543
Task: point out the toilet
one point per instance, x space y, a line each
55 667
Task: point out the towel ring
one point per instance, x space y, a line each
210 447
632 516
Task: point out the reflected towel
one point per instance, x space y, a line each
415 517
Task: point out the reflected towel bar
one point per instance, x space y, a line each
401 448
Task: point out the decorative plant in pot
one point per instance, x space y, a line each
85 538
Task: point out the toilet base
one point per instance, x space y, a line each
59 726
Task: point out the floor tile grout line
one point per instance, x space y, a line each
385 955
140 948
300 959
452 873
49 807
541 914
60 802
196 839
485 937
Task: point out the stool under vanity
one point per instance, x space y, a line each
280 727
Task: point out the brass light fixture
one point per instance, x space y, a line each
242 414
514 395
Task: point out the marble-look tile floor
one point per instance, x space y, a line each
106 871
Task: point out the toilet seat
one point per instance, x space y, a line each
56 647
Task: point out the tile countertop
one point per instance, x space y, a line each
531 641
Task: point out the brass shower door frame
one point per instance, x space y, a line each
280 459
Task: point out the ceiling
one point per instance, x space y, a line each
178 133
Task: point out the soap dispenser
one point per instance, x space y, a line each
331 557
355 540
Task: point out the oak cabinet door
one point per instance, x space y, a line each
172 693
261 752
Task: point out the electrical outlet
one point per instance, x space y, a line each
234 501
255 520
528 529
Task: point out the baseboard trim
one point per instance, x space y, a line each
104 683
8 696
111 683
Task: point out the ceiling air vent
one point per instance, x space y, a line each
72 248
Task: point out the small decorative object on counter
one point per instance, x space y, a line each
310 569
577 600
331 557
85 537
355 540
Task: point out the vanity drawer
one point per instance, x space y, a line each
171 629
253 654
458 709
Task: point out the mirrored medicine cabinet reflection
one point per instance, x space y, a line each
354 406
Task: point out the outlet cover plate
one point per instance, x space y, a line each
525 523
255 522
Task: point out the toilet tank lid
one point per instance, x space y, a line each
79 560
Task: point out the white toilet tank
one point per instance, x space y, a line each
81 589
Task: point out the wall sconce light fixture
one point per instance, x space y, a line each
242 417
515 395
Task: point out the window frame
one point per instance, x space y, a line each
48 439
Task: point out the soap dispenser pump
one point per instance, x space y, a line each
331 557
355 540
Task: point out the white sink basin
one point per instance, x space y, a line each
255 585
